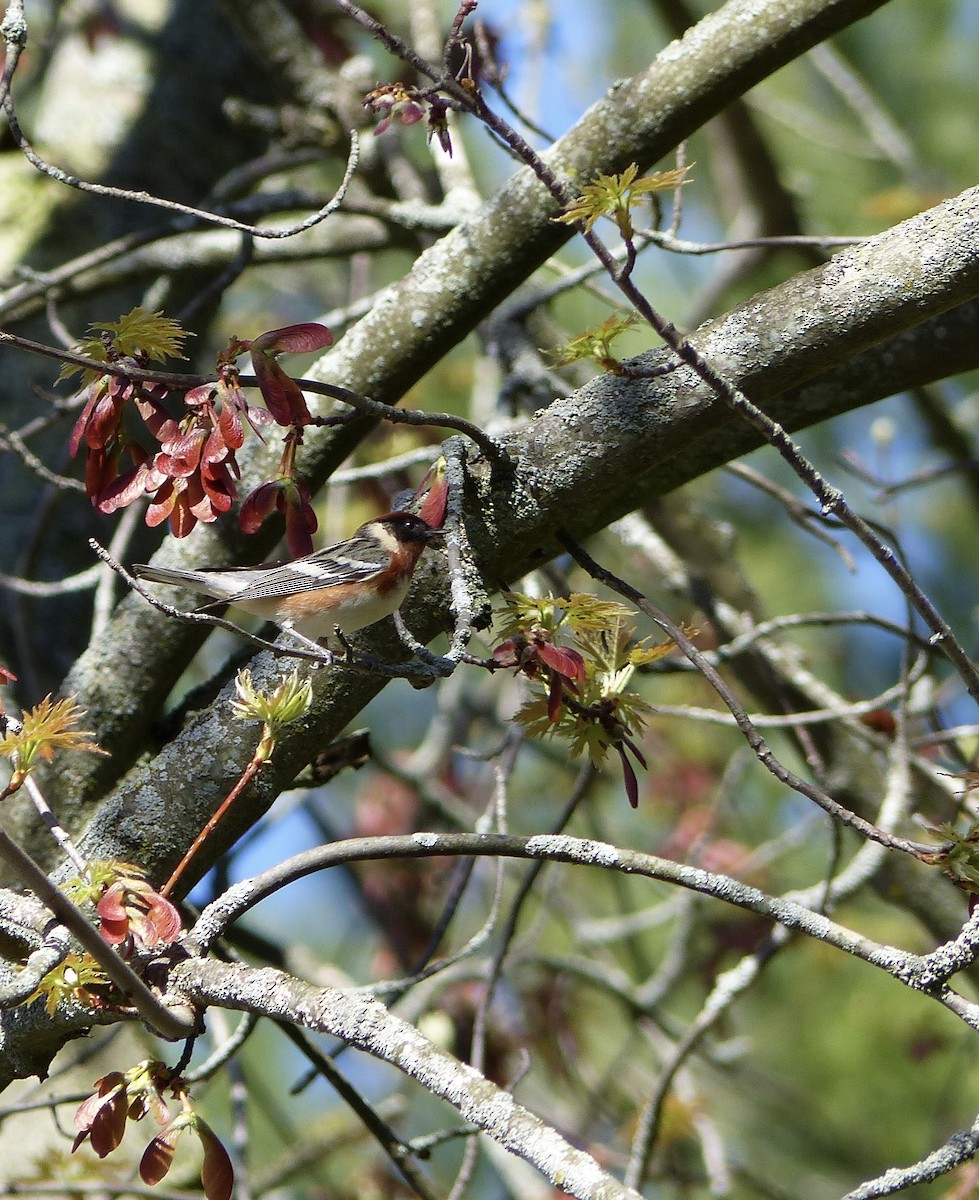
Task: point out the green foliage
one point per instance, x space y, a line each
289 702
596 344
48 726
72 980
138 334
615 196
959 855
605 706
580 658
581 612
100 875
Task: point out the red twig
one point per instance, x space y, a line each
249 774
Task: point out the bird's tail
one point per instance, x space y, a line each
195 581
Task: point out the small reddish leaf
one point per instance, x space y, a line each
81 424
294 339
565 661
881 720
91 1104
233 407
113 916
198 501
259 505
161 922
101 468
300 521
183 517
134 906
103 422
640 757
182 455
123 490
158 1156
102 1116
162 504
108 1127
172 503
215 448
217 1173
432 508
629 777
198 397
507 654
155 417
283 396
232 430
218 486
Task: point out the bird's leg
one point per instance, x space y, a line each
301 638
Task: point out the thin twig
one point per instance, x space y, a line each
397 1151
249 773
43 588
11 440
754 739
100 189
54 826
224 1052
178 380
960 1148
13 30
405 416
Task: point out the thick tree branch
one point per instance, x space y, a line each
569 473
451 287
365 1023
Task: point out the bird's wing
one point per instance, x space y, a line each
352 561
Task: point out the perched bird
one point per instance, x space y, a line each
350 585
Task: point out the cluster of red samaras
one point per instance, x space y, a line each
192 476
102 1119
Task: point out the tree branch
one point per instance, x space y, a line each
365 1023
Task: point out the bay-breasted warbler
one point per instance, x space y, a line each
350 585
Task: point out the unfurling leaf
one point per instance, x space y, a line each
73 980
217 1173
580 693
435 492
294 339
282 395
132 907
47 727
289 702
139 333
563 660
150 334
614 196
158 1156
102 1116
629 777
596 344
